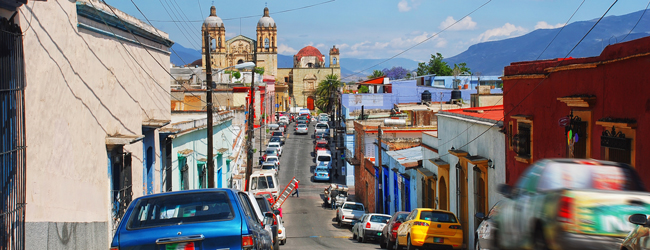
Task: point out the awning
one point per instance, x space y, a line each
116 140
185 152
439 162
476 159
153 123
427 174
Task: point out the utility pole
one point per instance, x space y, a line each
250 121
381 172
208 76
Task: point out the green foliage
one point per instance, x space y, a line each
375 74
324 90
438 67
363 89
259 70
236 74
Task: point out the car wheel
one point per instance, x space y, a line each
340 224
359 238
382 243
397 246
363 239
540 241
354 236
390 245
409 246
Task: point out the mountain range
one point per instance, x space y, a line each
491 57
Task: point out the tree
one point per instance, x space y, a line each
439 67
375 74
396 73
363 89
324 92
236 74
259 70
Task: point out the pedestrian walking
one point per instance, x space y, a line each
296 192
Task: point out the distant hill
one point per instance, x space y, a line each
183 55
490 58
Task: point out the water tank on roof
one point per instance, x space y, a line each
455 94
426 97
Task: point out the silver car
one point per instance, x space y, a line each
484 236
302 129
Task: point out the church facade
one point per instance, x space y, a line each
226 53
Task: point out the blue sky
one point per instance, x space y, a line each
374 29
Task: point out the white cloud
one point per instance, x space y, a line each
465 24
507 30
441 43
286 50
403 6
545 25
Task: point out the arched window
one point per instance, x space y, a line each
219 42
334 60
273 42
310 65
240 61
213 44
266 43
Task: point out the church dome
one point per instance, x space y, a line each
309 51
266 20
213 20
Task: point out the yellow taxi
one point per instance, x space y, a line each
430 228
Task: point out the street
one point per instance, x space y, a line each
307 222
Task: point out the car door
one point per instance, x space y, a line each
524 207
403 229
253 223
359 225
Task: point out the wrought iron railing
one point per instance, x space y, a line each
12 137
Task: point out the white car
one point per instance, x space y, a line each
275 145
284 119
302 129
282 234
370 226
274 159
322 128
349 212
270 166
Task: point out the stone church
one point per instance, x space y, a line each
296 86
225 53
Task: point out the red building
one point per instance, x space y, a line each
604 100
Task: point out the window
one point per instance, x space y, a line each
183 178
616 146
122 183
213 44
171 210
266 43
379 219
439 83
334 60
203 174
248 207
522 140
437 216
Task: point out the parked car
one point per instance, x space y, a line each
321 145
280 134
389 233
369 227
322 172
267 195
270 166
639 238
284 119
324 156
558 203
349 212
322 128
484 235
265 208
270 152
275 160
170 220
302 129
261 181
426 227
277 139
275 145
298 122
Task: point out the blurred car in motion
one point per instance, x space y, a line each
484 235
302 129
389 233
322 172
430 228
349 212
369 227
193 219
639 238
570 204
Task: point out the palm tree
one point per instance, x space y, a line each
324 92
375 74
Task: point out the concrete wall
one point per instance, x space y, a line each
82 86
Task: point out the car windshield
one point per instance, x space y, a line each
277 133
178 209
273 145
270 151
275 139
402 217
321 126
321 169
302 126
437 216
272 159
579 176
353 206
263 203
379 218
268 166
324 158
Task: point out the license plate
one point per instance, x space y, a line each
438 240
180 246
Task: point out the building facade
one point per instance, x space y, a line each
227 53
96 98
595 107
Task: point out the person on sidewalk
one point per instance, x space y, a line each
296 192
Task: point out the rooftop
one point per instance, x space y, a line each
405 156
309 51
487 113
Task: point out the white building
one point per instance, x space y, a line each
463 164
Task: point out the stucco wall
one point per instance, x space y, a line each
82 86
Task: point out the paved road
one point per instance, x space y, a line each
309 225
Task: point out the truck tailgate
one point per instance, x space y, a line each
606 213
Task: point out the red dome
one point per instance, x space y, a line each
309 51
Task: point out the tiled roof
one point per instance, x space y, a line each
309 51
494 113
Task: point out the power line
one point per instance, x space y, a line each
540 83
637 22
176 23
418 44
515 83
234 18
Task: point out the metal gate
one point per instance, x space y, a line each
12 137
